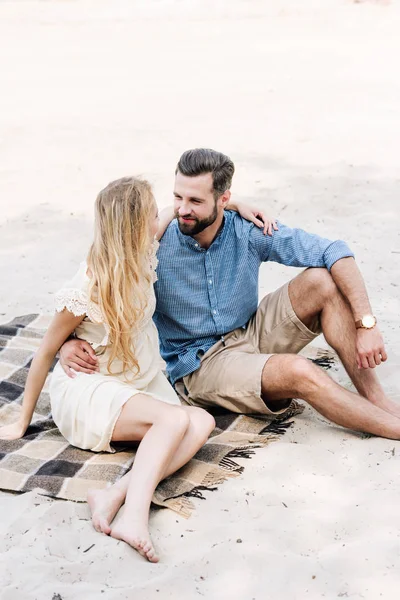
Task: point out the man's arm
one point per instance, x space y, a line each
370 347
297 248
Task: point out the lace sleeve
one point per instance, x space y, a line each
74 293
154 260
73 299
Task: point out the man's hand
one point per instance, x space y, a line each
79 356
370 348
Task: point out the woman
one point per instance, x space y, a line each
109 303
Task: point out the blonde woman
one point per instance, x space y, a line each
109 304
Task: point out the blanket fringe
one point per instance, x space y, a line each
197 492
241 452
182 505
277 427
326 361
230 465
228 468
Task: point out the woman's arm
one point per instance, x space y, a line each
61 326
250 213
166 216
254 215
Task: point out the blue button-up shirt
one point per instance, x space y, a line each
204 294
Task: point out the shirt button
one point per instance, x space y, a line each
196 245
214 312
210 281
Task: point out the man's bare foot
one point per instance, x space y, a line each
104 505
136 535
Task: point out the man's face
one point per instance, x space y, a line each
195 205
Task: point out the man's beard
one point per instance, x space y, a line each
197 225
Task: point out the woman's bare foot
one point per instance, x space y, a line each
137 535
104 505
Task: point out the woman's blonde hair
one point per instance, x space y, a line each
118 262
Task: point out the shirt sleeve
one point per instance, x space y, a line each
74 294
297 248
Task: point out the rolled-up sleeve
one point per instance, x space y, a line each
297 248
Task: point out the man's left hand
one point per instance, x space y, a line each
370 348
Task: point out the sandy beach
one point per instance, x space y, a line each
305 98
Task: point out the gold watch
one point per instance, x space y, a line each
366 322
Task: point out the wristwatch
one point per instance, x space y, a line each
366 322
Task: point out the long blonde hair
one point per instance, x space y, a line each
118 262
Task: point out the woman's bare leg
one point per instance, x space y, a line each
105 504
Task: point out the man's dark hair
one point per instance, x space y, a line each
203 160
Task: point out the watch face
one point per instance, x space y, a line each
368 321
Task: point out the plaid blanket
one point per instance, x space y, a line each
44 460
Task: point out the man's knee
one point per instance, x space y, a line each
310 292
290 375
306 376
321 281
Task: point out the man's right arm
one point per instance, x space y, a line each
78 355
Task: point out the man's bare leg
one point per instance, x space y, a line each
292 376
314 293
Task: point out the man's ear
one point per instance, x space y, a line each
224 199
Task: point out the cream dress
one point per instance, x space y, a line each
86 408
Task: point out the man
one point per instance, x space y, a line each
231 353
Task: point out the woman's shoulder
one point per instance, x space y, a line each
74 294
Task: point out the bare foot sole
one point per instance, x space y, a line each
104 505
136 535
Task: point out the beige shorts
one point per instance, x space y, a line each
230 372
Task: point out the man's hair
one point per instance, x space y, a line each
203 160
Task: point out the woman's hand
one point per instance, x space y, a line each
256 216
14 431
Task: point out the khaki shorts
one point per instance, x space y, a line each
230 372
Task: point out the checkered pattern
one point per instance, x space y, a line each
44 460
204 294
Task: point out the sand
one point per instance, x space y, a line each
305 97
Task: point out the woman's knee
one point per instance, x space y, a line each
141 412
201 421
176 417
